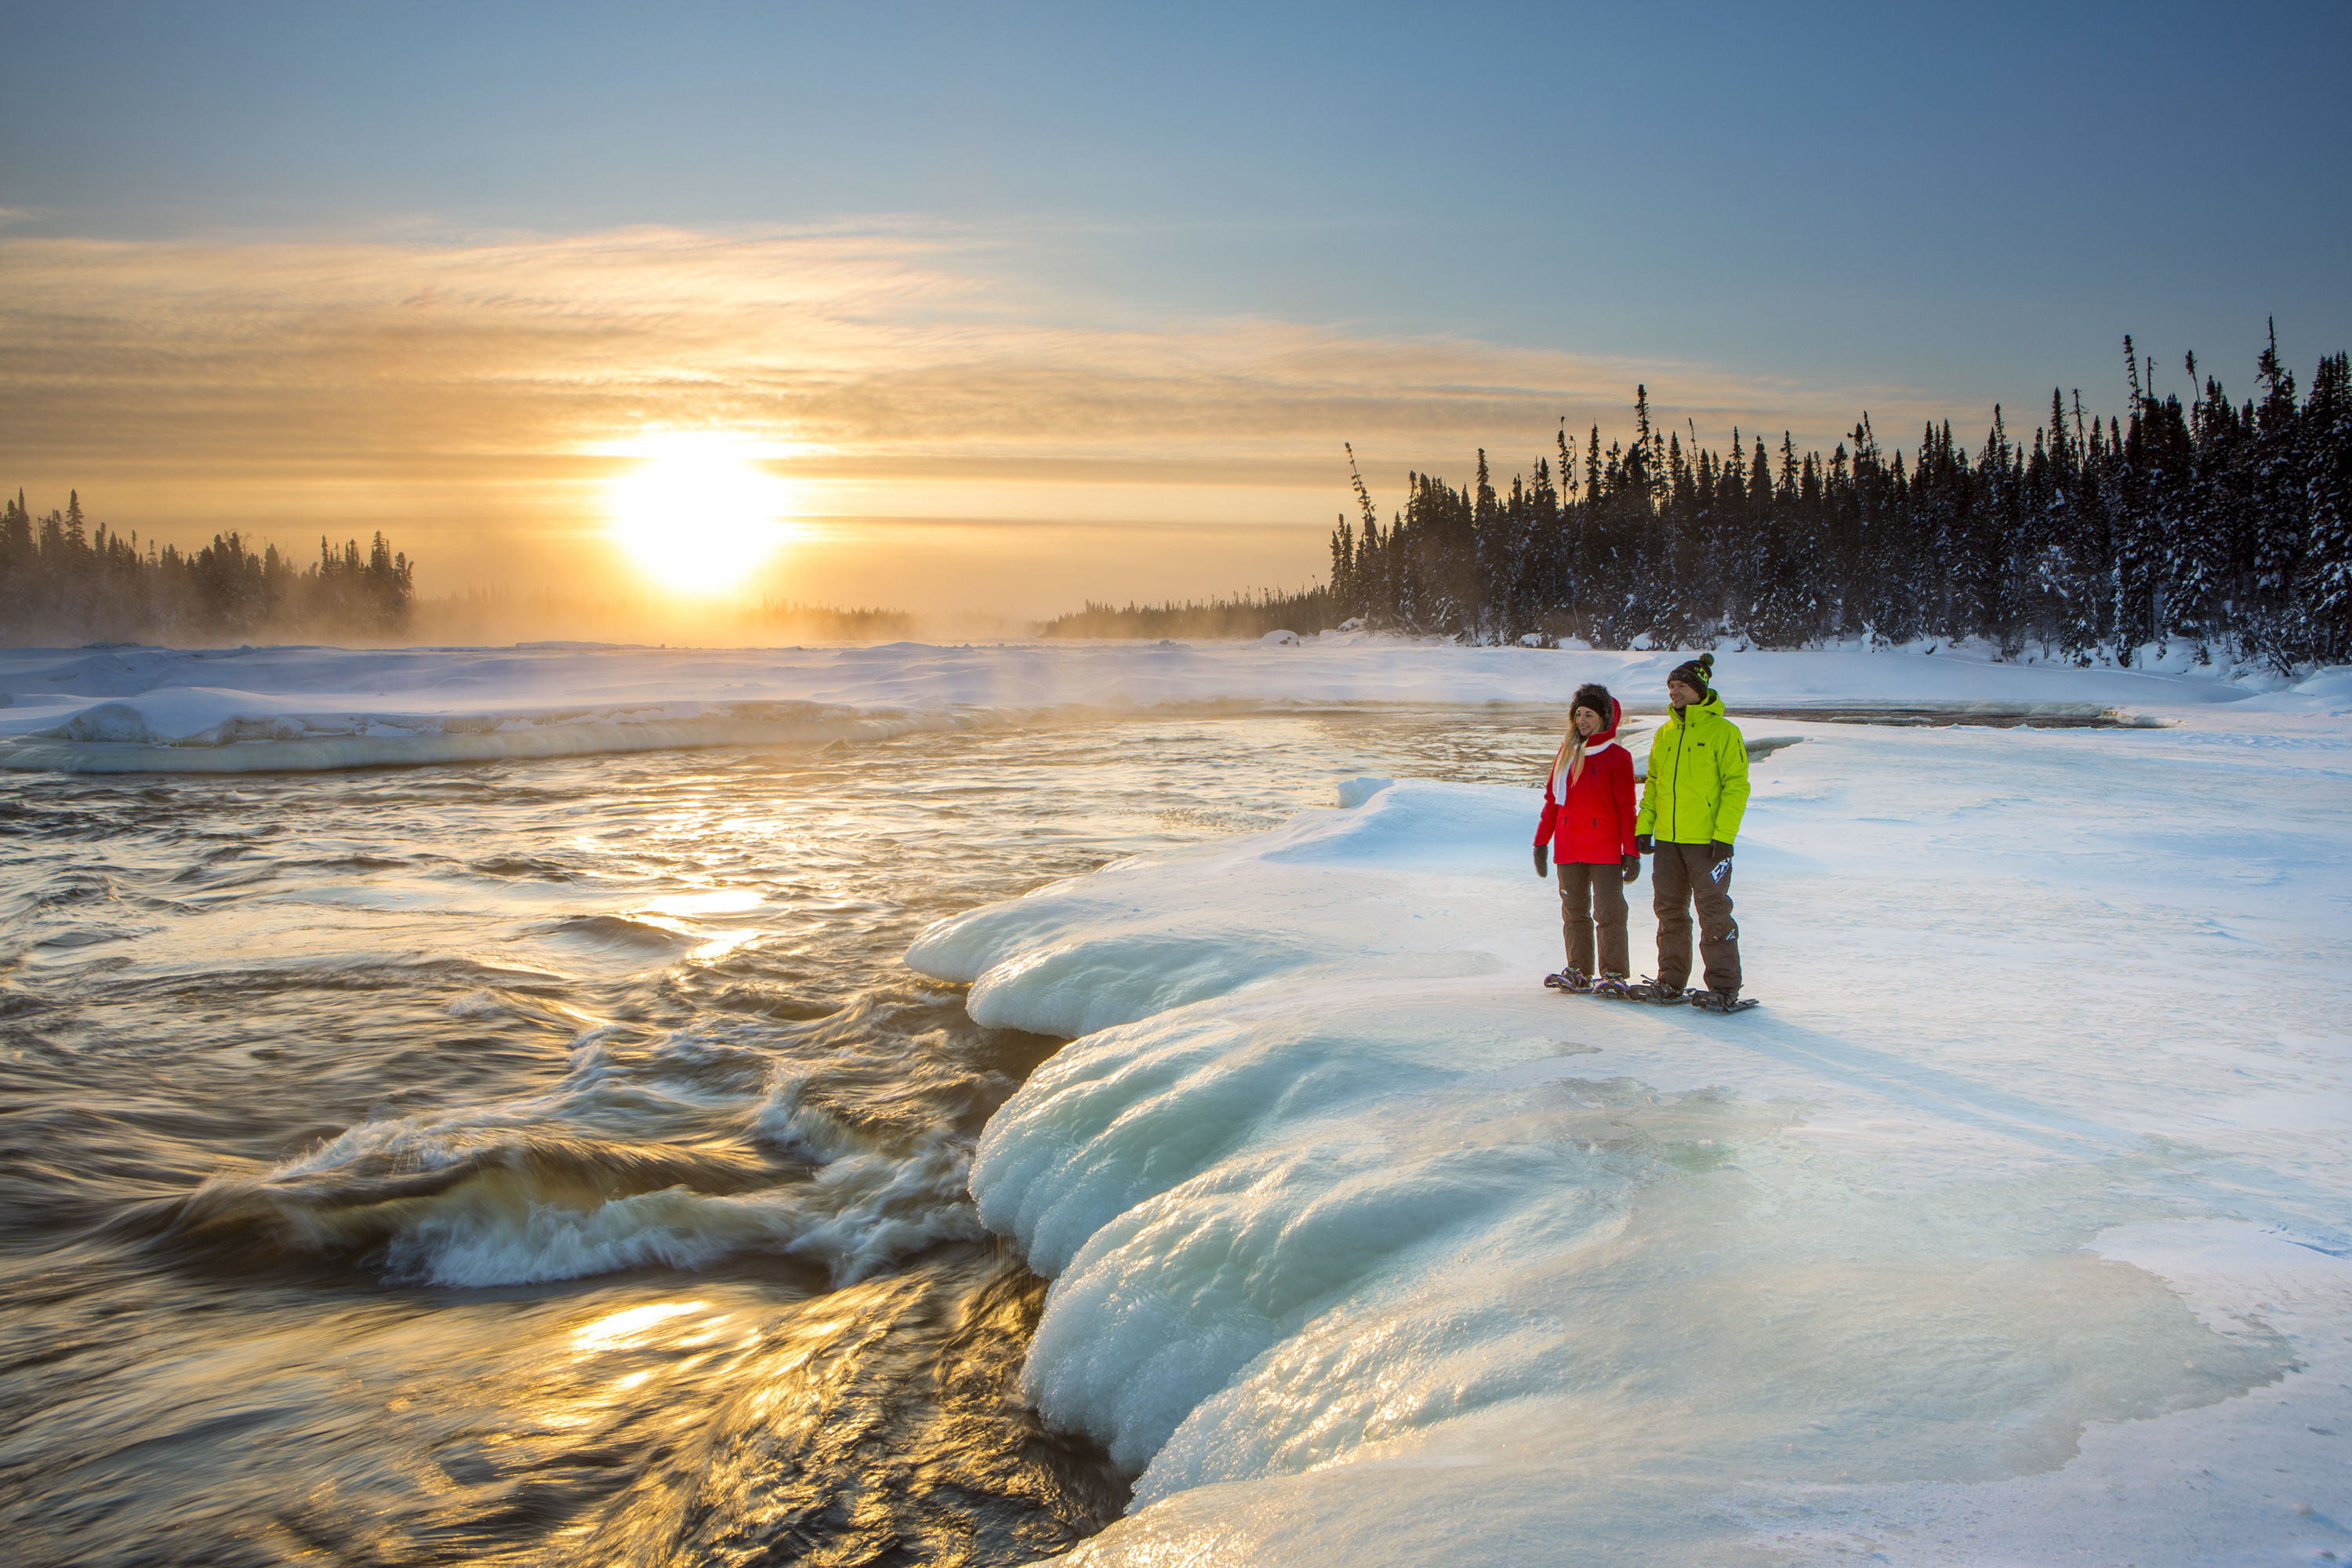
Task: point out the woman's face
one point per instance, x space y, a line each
1587 721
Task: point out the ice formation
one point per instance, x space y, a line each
129 709
1985 1239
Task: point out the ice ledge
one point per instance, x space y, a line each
1362 1248
1163 932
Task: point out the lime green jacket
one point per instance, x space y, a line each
1697 785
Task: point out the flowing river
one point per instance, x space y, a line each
552 1161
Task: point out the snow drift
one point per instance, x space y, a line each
245 710
1366 1248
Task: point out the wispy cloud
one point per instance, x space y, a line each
881 349
468 387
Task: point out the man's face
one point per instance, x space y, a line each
1680 694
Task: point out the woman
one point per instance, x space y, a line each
1587 828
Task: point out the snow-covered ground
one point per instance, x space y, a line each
240 709
2015 1227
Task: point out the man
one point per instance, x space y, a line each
1691 805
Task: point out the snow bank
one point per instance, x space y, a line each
2016 1222
157 710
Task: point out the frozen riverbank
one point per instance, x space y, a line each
269 710
2013 1227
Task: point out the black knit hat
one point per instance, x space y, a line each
1696 674
1596 696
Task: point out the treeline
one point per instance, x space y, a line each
63 580
825 623
2215 524
2220 526
1310 609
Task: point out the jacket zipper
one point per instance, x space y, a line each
1675 788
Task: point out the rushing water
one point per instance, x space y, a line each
553 1163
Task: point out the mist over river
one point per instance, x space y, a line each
553 1160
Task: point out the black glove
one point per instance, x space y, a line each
1633 867
1543 859
1718 852
1642 842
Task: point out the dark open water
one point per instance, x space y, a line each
553 1163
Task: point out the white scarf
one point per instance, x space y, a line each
1572 752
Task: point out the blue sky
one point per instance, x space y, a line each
1789 214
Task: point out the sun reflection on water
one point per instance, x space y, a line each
630 1328
721 901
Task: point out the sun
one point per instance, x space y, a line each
700 512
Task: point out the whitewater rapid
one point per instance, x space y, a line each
553 1160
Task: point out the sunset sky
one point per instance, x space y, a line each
1003 307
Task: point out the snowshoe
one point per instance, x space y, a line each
1663 996
1721 1001
1615 987
1575 981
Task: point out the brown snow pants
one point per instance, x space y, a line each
1592 896
1681 878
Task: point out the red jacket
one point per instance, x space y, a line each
1593 823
